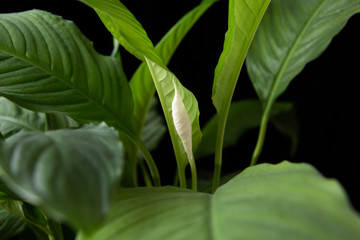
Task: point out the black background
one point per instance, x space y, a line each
325 94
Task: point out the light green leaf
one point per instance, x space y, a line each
292 34
70 173
124 27
243 116
141 82
47 65
14 119
129 32
273 202
10 224
164 81
244 18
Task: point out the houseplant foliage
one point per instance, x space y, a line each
75 145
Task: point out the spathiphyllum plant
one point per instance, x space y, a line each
77 135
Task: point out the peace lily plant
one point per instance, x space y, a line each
77 135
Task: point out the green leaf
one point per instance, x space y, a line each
292 34
141 82
14 119
154 127
163 80
244 18
10 224
124 27
47 65
70 173
282 201
129 32
142 85
56 121
243 116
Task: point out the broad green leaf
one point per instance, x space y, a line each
14 119
141 82
70 173
47 65
124 27
292 34
282 201
10 224
243 116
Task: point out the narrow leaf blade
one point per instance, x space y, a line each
141 82
10 224
124 27
244 18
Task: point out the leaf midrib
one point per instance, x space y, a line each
66 83
289 55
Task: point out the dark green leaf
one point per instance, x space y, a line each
56 121
273 202
14 119
10 224
46 64
154 127
71 173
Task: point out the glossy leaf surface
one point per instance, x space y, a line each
47 65
244 18
283 201
71 173
292 34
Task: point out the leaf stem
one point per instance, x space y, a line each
218 150
193 173
261 137
148 158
